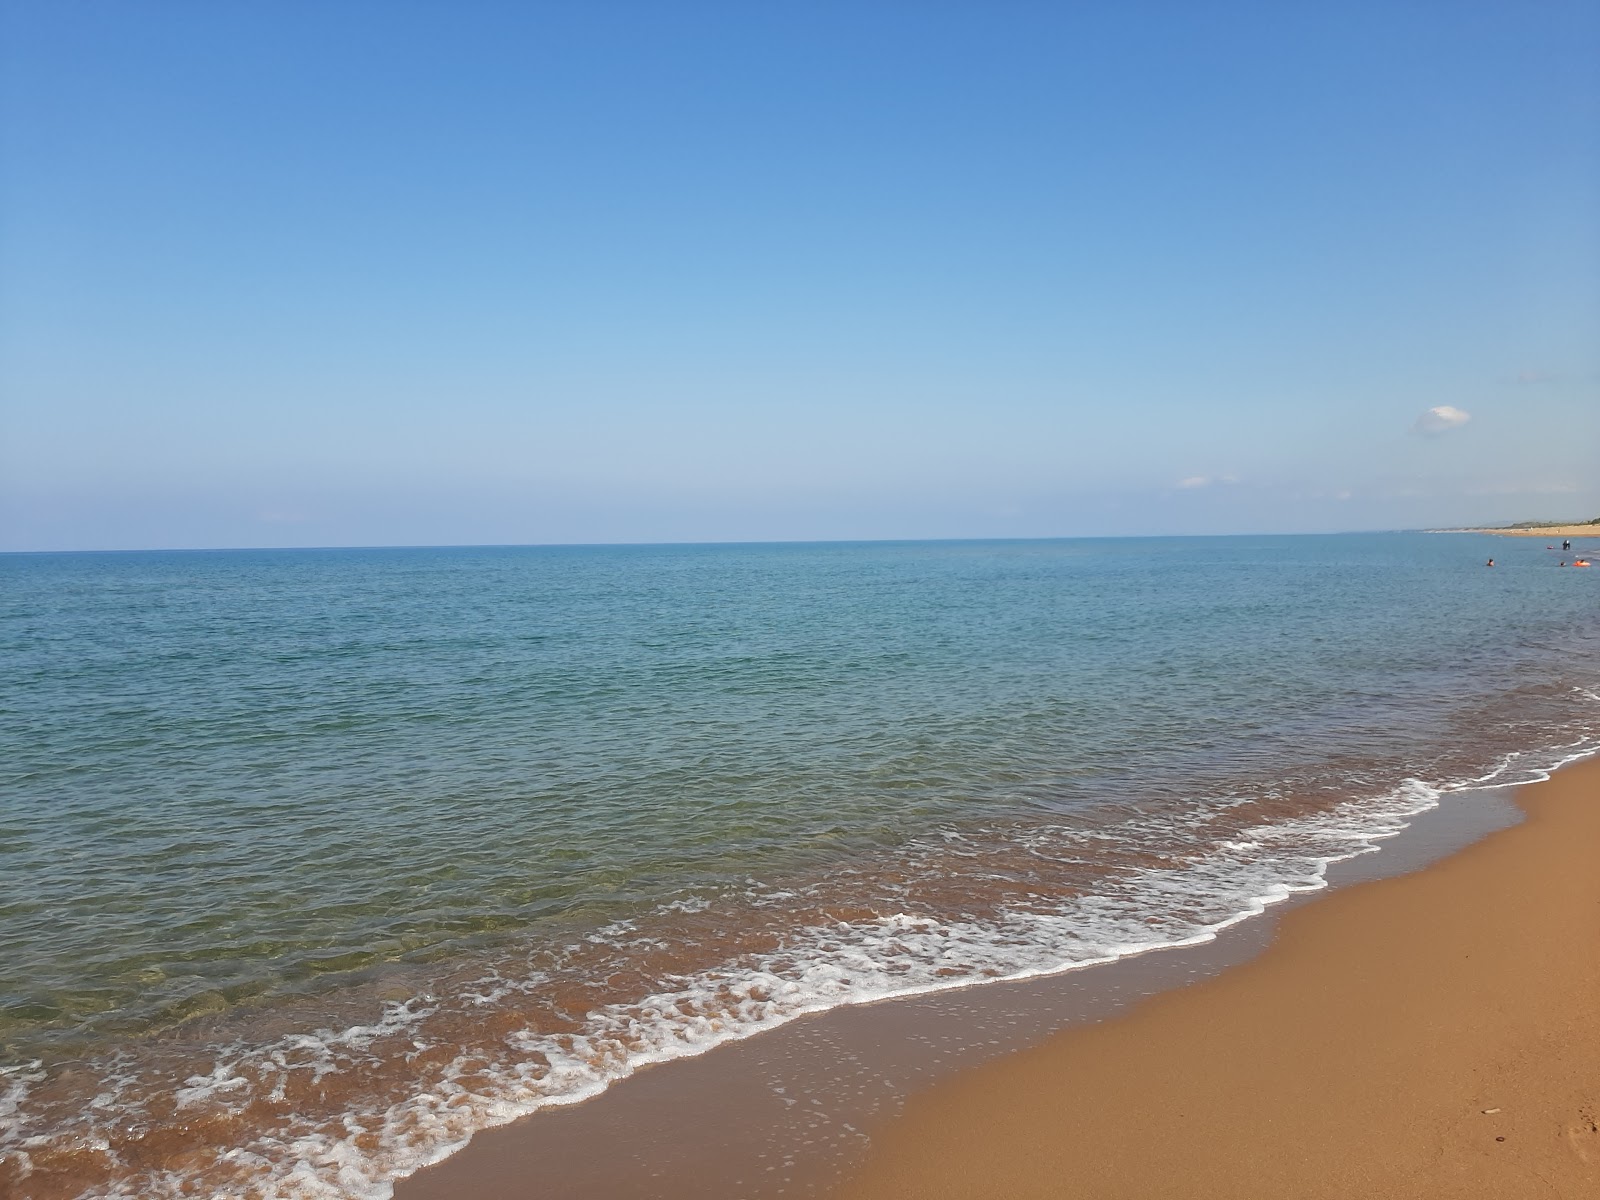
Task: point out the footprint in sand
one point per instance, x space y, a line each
1584 1135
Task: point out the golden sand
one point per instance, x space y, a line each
1432 1035
1544 531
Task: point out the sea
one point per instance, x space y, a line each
314 862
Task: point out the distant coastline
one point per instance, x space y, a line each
1582 529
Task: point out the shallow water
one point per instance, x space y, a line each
314 861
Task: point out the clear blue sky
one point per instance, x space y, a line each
344 273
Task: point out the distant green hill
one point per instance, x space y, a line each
1547 524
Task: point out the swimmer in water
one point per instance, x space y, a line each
1490 563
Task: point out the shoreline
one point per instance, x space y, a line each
720 1124
1427 1034
1560 531
1022 762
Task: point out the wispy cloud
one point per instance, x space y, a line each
1441 419
1537 376
1200 481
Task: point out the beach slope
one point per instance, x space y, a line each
1432 1035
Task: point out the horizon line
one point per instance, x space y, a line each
1065 537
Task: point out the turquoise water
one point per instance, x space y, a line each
496 825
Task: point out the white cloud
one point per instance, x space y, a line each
1194 481
1440 420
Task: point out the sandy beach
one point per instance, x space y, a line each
1431 1035
1544 531
1376 1040
734 601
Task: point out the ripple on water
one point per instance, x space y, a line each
328 859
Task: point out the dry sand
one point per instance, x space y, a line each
1432 1035
1544 531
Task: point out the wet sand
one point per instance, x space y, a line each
792 1113
1431 1035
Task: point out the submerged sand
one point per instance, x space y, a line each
1432 1035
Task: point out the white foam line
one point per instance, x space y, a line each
819 969
1257 905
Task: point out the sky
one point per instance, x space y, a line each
402 273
